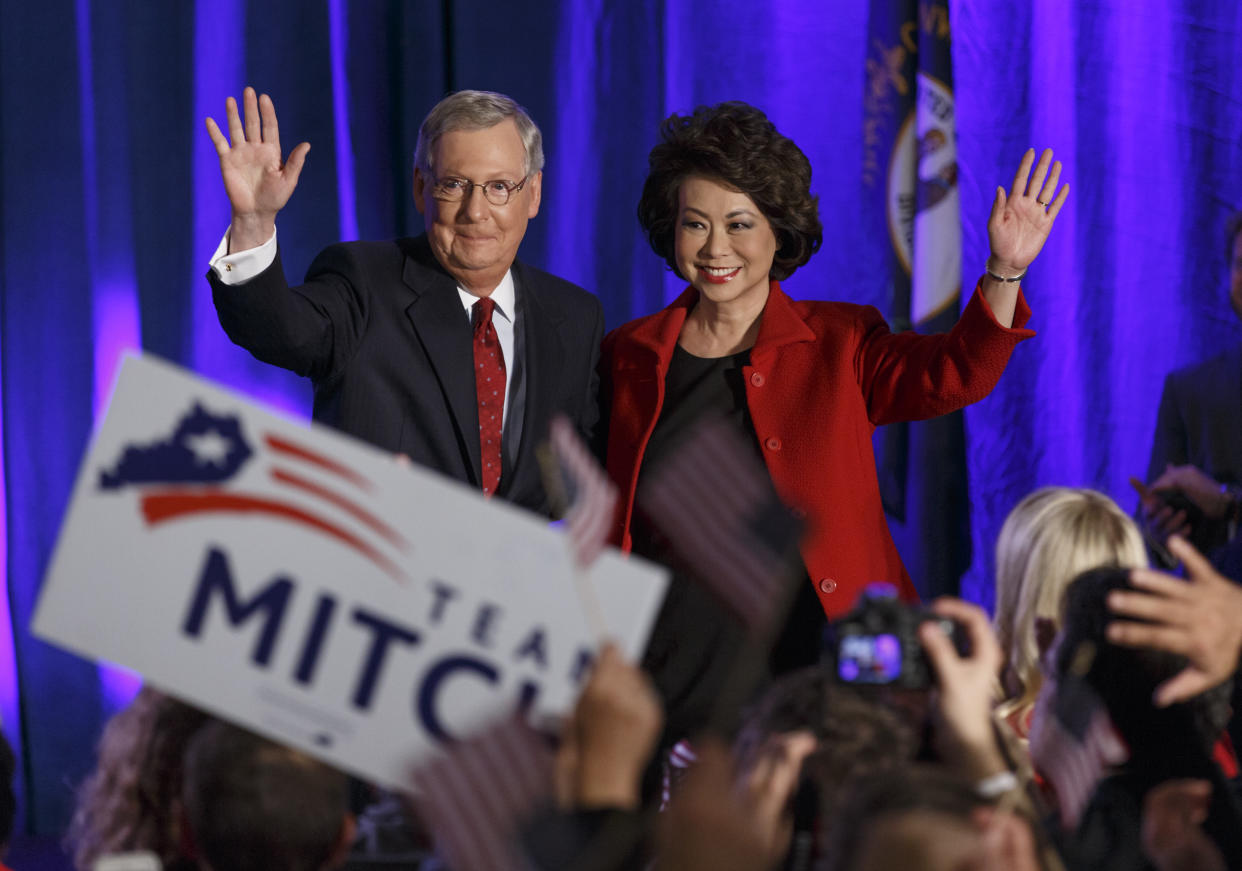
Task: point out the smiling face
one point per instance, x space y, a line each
724 245
473 239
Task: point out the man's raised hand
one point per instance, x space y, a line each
1199 618
256 179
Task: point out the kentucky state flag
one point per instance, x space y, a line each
912 207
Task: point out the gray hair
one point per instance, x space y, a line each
477 110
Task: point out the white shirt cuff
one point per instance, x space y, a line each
241 266
996 785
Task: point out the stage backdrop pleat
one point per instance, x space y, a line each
112 205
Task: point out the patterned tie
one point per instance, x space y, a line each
489 388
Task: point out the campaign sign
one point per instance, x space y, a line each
308 586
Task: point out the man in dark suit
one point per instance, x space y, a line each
1197 450
443 347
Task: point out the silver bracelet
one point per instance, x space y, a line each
997 785
1018 277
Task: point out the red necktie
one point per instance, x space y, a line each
489 388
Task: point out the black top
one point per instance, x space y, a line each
688 655
694 387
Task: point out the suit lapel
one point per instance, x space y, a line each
541 324
782 325
438 320
658 333
640 362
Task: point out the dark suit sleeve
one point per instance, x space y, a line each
589 424
1168 445
313 329
586 840
603 374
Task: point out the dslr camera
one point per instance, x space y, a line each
877 643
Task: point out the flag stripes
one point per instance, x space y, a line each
1074 742
478 793
708 499
591 496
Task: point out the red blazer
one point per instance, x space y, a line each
822 377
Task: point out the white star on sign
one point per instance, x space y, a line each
209 448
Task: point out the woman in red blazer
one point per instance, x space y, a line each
727 204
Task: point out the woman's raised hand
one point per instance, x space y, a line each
1021 220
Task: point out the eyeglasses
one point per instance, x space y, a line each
454 190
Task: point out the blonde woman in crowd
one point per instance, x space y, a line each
1048 538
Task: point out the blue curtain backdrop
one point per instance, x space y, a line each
112 205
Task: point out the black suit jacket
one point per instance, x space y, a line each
1200 423
1200 419
379 329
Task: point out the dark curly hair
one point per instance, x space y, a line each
131 800
735 144
1126 678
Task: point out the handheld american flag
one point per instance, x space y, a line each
1073 741
590 499
714 502
476 796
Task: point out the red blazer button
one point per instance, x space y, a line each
773 444
827 585
756 378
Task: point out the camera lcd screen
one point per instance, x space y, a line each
869 659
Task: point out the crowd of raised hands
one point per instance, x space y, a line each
820 773
737 806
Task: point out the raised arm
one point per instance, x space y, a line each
610 736
963 704
1018 227
256 179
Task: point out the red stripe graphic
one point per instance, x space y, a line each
359 513
284 446
172 504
